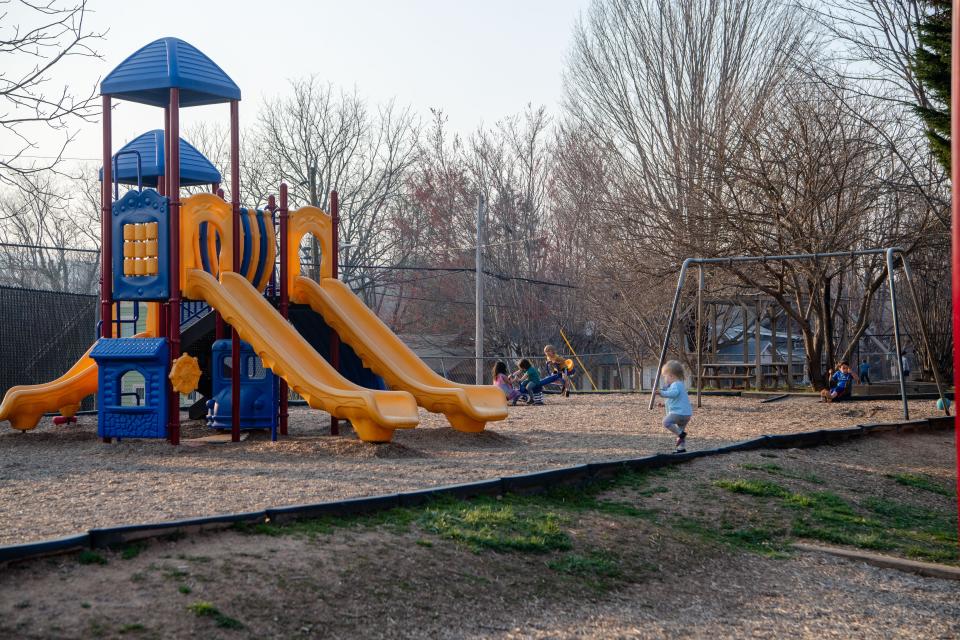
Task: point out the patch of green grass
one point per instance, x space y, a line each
131 551
132 628
91 557
508 525
777 470
769 467
175 574
921 482
763 540
758 488
200 559
185 589
85 605
204 609
424 543
397 520
595 563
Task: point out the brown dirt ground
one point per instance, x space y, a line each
387 581
58 481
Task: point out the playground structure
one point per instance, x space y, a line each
171 254
891 254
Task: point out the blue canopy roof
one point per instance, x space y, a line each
194 166
148 74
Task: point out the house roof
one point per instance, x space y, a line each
128 348
147 75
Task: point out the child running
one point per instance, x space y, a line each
502 380
679 410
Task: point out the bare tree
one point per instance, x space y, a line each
35 37
319 139
43 227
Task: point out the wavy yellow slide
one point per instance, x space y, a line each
24 405
373 414
467 407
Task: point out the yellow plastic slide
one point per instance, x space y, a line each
24 405
467 407
373 414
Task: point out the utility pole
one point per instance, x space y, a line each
479 285
314 245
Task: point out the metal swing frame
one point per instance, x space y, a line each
891 254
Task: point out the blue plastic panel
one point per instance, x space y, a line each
150 72
194 167
259 392
117 356
133 208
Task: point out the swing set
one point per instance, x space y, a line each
891 254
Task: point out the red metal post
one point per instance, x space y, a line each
334 260
165 181
955 231
106 227
235 199
173 182
272 282
284 297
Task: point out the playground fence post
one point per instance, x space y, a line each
106 230
478 346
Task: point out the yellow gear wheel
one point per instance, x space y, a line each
185 373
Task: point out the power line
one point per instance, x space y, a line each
14 245
492 274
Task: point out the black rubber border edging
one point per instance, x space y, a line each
527 483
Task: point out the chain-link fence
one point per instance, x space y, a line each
42 334
610 371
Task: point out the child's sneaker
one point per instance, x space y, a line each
681 443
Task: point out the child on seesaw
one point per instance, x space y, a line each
530 384
560 370
679 410
502 379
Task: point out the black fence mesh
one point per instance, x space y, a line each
42 334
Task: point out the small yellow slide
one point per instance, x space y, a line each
467 407
373 414
24 405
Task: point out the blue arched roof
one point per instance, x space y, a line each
148 74
194 166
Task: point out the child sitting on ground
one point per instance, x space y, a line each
679 410
502 380
841 384
530 383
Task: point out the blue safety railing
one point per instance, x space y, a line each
191 310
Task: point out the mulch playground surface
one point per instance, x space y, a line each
61 480
700 550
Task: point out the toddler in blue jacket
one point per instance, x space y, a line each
679 410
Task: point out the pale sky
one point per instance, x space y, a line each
478 61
